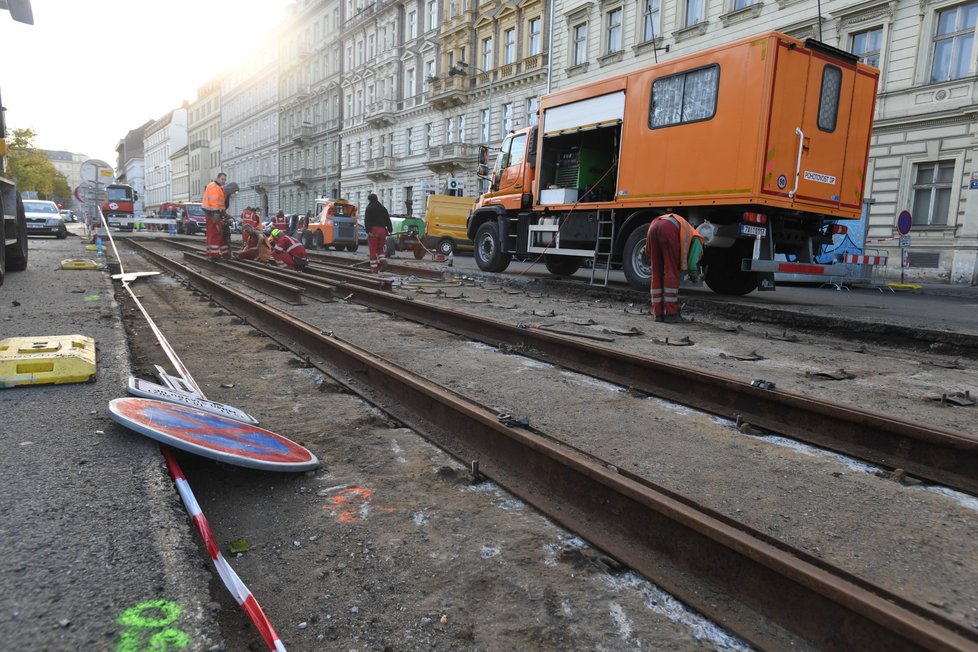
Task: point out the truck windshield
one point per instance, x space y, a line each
119 194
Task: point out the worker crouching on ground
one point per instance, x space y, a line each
377 222
288 252
256 245
674 247
214 205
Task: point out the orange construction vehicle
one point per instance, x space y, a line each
334 224
758 143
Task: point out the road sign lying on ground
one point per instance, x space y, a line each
212 436
146 389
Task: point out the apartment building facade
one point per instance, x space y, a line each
204 139
160 141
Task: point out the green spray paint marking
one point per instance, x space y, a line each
150 615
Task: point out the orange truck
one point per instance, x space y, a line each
757 142
333 225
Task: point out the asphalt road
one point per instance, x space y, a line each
95 547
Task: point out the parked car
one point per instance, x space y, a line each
44 218
68 215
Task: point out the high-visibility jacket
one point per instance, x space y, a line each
249 217
689 256
280 222
213 197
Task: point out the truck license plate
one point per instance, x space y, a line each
757 231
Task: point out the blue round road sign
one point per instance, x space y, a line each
904 222
211 435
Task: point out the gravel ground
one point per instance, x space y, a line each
391 546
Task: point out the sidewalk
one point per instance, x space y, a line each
92 526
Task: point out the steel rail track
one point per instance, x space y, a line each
765 591
936 455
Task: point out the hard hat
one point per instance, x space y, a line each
275 233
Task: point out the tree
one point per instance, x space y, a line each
32 171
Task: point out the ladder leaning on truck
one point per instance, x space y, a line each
758 143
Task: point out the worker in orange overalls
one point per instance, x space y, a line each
214 206
256 245
674 246
288 252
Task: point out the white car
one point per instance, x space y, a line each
44 218
68 215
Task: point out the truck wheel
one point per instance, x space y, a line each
446 246
489 254
561 265
307 239
723 273
635 262
352 248
317 240
17 253
419 251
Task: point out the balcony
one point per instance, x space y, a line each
333 125
332 170
302 134
199 144
451 156
303 176
381 168
262 182
381 113
448 93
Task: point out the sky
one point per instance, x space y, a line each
89 71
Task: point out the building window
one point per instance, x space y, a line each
866 45
932 193
484 122
509 46
953 42
532 110
427 136
487 53
408 137
694 12
409 82
579 40
452 9
614 30
412 24
450 130
534 42
687 97
650 26
742 4
461 129
507 117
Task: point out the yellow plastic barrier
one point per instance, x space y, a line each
46 360
78 263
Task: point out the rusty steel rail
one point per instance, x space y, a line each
770 594
394 268
289 293
937 455
333 275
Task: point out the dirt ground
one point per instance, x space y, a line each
390 544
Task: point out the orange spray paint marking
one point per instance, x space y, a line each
344 500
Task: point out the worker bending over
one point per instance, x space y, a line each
287 251
674 247
256 245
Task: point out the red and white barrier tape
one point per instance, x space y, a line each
231 580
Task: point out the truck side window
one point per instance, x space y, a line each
689 96
517 149
828 100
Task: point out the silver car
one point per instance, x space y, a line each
44 218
